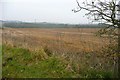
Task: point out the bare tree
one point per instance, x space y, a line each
106 12
103 11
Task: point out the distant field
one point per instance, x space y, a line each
79 39
59 41
80 46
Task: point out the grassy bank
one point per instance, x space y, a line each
22 63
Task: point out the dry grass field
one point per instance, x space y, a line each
58 39
80 46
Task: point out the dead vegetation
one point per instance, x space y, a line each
67 39
81 47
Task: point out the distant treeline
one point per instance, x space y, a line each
49 25
35 25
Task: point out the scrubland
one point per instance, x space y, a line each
57 53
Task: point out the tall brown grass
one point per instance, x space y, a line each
81 47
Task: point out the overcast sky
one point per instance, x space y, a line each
56 11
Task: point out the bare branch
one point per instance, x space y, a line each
105 11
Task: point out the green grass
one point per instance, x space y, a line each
22 63
93 73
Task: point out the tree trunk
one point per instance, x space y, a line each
119 49
117 60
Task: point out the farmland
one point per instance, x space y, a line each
77 39
80 48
